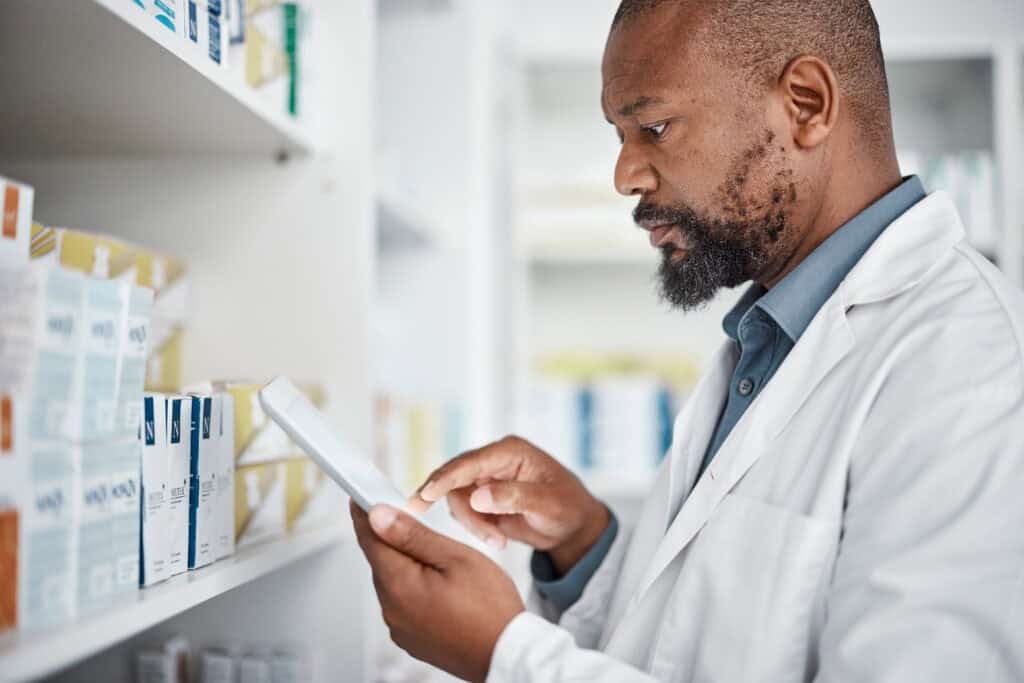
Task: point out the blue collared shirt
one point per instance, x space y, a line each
765 325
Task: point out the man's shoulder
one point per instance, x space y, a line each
966 318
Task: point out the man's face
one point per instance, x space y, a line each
702 153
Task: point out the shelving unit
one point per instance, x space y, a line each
104 78
36 655
121 129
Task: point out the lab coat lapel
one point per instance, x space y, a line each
694 427
825 343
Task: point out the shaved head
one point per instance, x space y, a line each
760 37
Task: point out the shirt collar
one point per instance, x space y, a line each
794 301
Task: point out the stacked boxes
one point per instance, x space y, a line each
73 332
263 43
187 512
164 275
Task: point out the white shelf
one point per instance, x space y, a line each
104 78
36 655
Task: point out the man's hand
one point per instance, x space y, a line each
444 603
512 489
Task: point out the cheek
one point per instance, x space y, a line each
691 174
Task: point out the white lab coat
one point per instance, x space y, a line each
864 521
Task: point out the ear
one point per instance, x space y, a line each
810 94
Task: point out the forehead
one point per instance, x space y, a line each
653 56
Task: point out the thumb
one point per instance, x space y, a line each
410 537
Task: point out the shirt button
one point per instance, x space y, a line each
746 386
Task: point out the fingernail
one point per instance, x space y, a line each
495 542
382 517
429 492
482 500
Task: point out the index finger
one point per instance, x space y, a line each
498 460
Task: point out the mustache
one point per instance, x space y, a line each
649 212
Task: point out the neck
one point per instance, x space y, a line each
863 182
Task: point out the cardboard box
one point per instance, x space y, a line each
259 503
257 438
131 358
93 542
203 526
14 482
224 412
94 396
155 552
303 478
169 13
125 518
179 431
206 30
15 222
46 597
55 350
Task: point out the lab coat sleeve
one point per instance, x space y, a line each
542 644
533 650
929 577
586 619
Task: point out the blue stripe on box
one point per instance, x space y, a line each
176 420
207 409
193 481
150 422
193 22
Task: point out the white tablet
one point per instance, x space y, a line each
300 419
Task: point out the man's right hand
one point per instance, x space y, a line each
511 489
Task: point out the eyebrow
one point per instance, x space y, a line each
638 104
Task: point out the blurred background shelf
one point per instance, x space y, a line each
105 78
36 655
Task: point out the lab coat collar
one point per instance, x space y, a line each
899 259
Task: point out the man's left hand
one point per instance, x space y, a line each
444 603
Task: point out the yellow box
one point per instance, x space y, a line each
260 503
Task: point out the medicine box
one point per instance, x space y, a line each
47 579
259 503
203 527
14 483
125 518
95 385
168 12
15 222
155 555
206 30
224 409
257 438
179 469
93 541
303 478
56 348
131 360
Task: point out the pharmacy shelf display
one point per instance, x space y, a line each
27 656
105 78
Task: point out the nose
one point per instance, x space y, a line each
634 174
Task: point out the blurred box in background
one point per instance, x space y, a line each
15 222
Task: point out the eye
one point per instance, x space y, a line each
656 130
